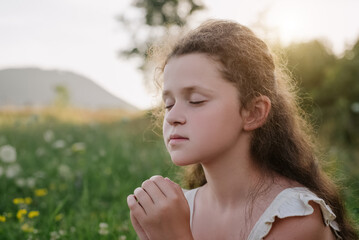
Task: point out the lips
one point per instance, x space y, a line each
176 138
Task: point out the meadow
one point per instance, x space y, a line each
66 174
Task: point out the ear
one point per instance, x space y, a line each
256 114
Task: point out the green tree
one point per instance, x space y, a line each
309 62
330 87
340 98
153 20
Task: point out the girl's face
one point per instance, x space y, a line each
202 120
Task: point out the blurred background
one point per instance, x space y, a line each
76 128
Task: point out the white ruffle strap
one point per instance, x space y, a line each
190 195
292 202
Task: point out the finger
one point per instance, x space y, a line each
143 199
153 191
177 187
135 208
138 228
168 188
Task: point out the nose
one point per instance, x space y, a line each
176 115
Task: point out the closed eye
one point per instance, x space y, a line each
169 106
196 102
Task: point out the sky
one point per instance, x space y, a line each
83 36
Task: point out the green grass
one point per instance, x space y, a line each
87 182
88 165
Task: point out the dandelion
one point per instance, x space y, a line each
28 200
103 231
27 228
33 214
59 144
78 147
18 201
12 171
103 228
8 154
49 136
65 171
20 214
40 192
54 235
62 232
103 225
122 237
59 217
2 218
20 182
30 182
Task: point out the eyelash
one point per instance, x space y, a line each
191 102
196 102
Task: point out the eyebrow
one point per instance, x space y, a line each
188 90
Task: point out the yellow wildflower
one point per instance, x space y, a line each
33 214
58 217
27 228
2 218
20 214
40 192
18 201
28 200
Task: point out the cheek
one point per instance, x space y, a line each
219 122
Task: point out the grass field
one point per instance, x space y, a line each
71 178
65 174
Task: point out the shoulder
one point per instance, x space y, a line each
301 227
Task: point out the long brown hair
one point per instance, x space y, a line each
283 145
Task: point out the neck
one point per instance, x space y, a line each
231 178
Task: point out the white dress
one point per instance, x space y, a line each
288 203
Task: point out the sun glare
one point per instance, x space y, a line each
294 22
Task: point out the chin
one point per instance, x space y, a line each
182 161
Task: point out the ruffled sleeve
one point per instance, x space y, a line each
292 202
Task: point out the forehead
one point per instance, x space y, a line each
192 70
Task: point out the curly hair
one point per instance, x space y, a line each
284 144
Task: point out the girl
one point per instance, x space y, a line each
231 116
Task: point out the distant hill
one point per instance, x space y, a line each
33 87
